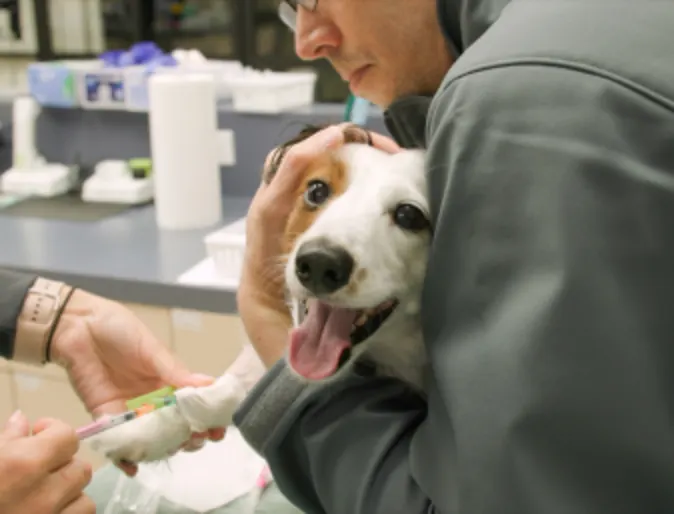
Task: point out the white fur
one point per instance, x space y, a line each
395 259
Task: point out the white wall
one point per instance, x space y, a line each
77 27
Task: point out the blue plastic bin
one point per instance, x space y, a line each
53 84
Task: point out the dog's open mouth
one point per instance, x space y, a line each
322 343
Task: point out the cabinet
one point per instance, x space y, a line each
206 342
7 399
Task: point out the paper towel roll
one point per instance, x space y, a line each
183 142
24 115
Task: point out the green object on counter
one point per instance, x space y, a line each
141 167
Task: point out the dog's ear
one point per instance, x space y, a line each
352 134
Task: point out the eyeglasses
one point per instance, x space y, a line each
287 10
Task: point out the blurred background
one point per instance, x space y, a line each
245 30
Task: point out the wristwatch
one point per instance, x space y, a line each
41 309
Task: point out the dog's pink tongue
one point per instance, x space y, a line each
316 346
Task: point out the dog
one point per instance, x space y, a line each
357 242
356 246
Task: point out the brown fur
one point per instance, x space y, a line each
327 169
352 134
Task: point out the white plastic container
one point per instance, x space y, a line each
226 247
269 92
136 80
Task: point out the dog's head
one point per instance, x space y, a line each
357 243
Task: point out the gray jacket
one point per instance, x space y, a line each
549 303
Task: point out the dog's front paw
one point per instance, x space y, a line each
211 406
161 433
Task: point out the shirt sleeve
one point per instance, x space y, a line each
337 449
13 289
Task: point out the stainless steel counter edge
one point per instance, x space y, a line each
176 296
125 258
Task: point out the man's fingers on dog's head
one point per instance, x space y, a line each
277 157
299 156
280 192
385 143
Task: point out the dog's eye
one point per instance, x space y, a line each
409 217
317 192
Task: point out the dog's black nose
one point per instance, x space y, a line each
323 268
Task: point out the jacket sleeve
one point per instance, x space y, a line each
13 289
339 449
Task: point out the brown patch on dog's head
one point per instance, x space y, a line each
329 170
352 134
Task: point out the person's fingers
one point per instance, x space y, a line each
82 505
295 161
168 368
55 442
129 468
216 434
111 407
199 380
17 426
194 444
384 143
379 141
66 484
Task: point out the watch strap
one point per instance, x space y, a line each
40 311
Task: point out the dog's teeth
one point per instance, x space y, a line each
385 306
361 319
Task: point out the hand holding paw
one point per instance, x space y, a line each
184 426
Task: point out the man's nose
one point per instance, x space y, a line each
316 37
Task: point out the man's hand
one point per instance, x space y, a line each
111 357
260 295
38 473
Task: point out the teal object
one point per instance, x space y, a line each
357 110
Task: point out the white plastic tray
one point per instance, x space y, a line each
226 247
136 80
270 92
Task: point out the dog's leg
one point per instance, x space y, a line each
159 434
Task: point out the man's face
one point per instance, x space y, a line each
384 49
